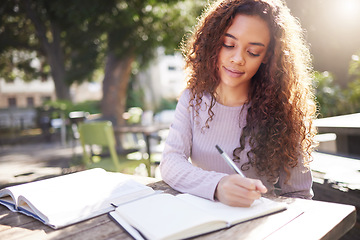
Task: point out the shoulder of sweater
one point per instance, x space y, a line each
186 95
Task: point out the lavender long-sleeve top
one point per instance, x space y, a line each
192 164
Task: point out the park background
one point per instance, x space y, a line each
114 55
120 59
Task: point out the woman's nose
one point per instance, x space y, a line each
238 58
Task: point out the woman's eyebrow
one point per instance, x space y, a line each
251 43
230 36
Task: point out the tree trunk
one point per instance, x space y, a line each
57 63
116 80
52 48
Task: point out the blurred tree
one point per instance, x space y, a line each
353 90
334 100
70 39
58 38
329 96
354 67
18 45
134 30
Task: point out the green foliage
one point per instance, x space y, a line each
81 32
135 98
334 101
329 96
135 95
353 90
167 104
138 27
62 32
67 106
91 107
354 67
134 115
353 93
18 44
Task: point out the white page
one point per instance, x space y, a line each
74 197
158 216
233 215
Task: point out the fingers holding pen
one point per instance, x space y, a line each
253 184
235 190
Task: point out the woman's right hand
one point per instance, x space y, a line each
238 191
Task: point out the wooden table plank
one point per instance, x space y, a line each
101 227
32 230
102 231
13 219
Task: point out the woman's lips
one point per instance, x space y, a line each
233 73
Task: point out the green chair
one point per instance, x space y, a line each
99 148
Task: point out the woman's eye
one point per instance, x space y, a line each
227 46
253 54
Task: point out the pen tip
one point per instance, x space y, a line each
219 149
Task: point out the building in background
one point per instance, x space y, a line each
86 91
20 94
164 79
18 100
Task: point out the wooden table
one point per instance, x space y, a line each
336 169
304 219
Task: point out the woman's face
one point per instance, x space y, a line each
244 48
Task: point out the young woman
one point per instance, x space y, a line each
249 91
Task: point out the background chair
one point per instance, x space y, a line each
75 118
99 148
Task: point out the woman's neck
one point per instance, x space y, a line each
231 97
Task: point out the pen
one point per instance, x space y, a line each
229 161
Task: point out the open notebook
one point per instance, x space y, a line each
71 198
165 216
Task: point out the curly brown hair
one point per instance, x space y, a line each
281 109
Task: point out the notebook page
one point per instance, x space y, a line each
162 216
232 215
